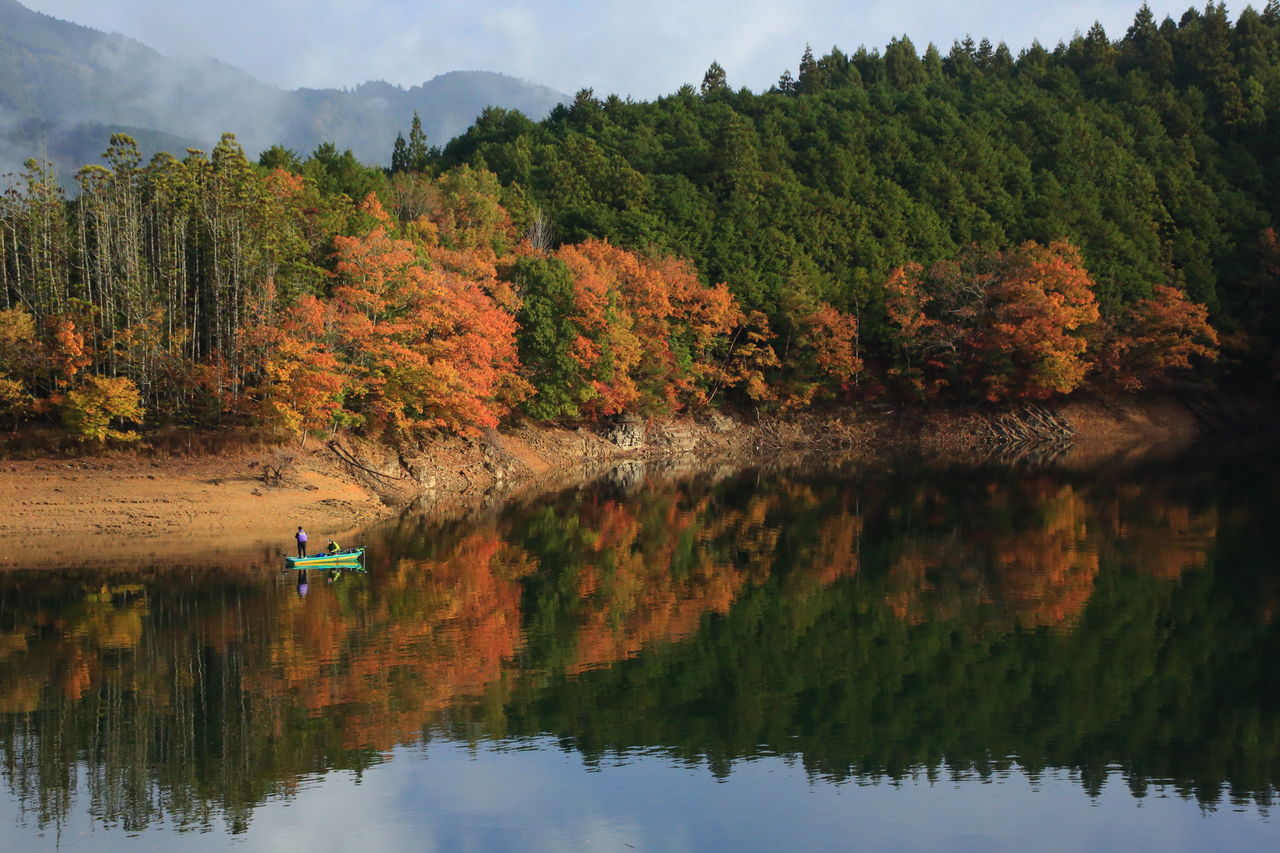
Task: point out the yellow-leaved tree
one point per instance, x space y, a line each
89 410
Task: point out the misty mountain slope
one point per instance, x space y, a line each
68 74
70 147
367 118
59 80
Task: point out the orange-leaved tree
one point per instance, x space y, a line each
1040 305
426 348
920 350
650 337
828 338
20 362
750 360
68 349
1012 324
608 347
1155 336
699 325
303 382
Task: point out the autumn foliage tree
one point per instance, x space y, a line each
90 409
1040 304
1011 324
649 335
303 383
1155 337
230 292
425 347
910 328
20 360
824 361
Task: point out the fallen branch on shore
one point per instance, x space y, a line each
1030 423
348 458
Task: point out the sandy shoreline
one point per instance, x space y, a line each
68 510
214 507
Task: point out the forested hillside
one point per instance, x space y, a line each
962 227
1154 155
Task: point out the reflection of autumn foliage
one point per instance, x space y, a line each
641 585
101 622
1167 539
228 691
1046 573
1039 573
663 561
1036 560
389 651
440 631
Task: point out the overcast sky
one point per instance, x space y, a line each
643 48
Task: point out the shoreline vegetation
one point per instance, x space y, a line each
235 501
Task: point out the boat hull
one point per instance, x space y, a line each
342 559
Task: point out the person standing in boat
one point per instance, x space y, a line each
301 536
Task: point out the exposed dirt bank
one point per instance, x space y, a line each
242 502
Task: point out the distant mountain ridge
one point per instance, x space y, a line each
61 83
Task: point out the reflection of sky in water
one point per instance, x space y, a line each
537 797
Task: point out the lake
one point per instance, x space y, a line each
814 658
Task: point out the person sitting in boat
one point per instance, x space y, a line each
332 547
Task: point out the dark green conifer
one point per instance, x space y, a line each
399 155
714 80
417 154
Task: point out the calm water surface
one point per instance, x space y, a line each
978 659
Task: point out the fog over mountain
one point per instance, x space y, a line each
64 88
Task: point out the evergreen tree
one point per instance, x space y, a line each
417 155
902 64
279 157
714 80
399 155
808 81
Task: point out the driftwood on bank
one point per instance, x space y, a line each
349 459
1029 434
1028 423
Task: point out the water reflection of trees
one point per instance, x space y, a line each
873 626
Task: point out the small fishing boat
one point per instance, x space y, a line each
346 558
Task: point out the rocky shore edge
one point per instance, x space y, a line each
237 498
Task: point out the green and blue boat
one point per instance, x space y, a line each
348 558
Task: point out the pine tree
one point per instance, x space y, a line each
399 155
279 157
902 64
714 80
417 154
808 82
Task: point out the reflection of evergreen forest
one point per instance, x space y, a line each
870 625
